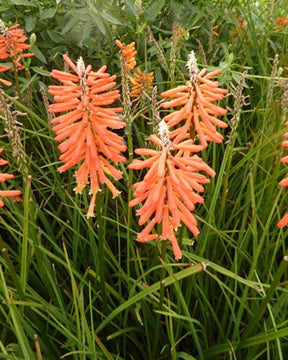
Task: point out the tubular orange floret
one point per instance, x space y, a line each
119 44
283 222
14 194
85 131
235 32
196 113
5 82
169 189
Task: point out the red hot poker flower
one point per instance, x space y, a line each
128 53
284 221
7 193
12 44
170 188
141 82
197 110
282 21
235 33
84 129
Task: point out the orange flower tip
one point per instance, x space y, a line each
79 188
149 237
4 177
165 105
2 161
178 256
284 182
90 214
94 192
112 188
196 231
140 222
16 198
65 57
176 249
9 193
115 194
108 172
63 168
118 43
283 222
5 82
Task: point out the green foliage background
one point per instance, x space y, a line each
86 288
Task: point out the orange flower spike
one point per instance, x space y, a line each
282 21
128 53
195 101
3 177
85 131
284 183
167 191
235 32
12 44
141 82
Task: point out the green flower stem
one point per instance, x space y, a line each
101 241
130 196
161 298
24 247
17 85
